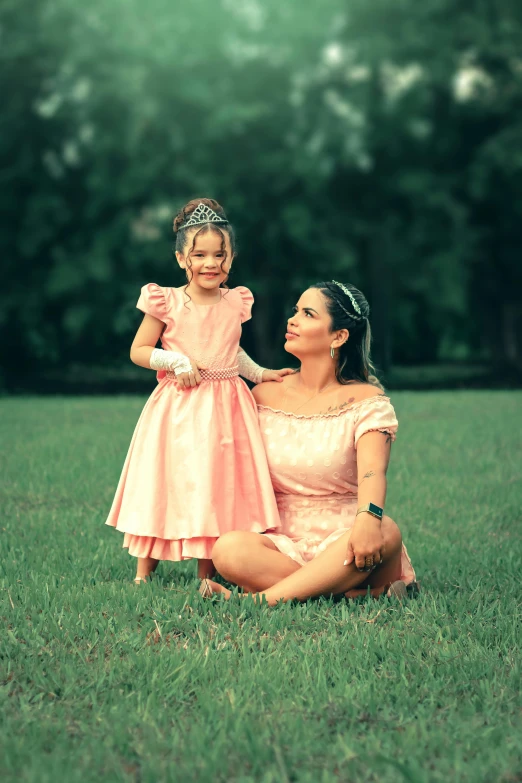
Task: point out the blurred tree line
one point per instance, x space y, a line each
376 143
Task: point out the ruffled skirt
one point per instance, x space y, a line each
196 469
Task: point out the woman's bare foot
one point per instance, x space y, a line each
375 592
397 589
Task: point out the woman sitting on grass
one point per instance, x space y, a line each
327 432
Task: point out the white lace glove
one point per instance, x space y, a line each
171 361
248 368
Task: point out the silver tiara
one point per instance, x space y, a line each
203 214
350 296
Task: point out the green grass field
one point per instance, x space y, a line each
105 681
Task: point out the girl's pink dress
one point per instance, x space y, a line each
313 464
196 466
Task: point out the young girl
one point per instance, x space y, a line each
196 467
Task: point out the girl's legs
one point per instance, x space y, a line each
205 569
255 567
146 567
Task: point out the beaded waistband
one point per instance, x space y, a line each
217 374
313 503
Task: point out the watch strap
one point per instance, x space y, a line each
372 509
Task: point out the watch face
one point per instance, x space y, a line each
373 509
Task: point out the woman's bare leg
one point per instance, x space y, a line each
251 561
324 575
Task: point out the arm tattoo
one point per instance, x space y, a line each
367 475
388 437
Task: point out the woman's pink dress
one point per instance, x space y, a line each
196 466
313 465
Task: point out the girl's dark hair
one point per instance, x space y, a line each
354 362
218 228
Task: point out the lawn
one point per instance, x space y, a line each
105 681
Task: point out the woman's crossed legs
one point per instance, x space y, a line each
254 563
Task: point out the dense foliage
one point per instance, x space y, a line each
378 143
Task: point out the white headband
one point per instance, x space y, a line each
350 296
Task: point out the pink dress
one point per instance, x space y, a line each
313 464
196 466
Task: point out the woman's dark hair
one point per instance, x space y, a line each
354 362
181 231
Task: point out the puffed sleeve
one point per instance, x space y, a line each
375 414
152 301
247 300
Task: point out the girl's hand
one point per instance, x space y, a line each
276 375
186 380
366 544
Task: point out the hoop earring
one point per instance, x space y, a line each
332 352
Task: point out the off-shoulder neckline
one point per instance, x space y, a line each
334 414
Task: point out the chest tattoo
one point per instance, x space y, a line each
339 407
